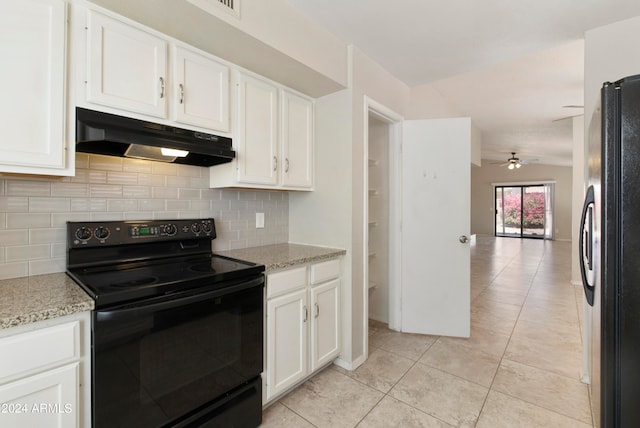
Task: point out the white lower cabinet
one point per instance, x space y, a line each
44 374
325 323
287 341
302 325
47 400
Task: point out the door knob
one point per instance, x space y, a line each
463 239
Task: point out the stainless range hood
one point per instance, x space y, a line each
112 135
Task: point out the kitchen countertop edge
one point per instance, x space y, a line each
281 256
37 298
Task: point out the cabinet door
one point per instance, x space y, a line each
325 323
48 399
257 132
127 67
287 325
297 141
32 119
201 90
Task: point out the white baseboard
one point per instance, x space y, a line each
350 365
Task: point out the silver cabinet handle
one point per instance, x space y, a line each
306 314
181 86
286 165
317 310
162 87
463 239
275 163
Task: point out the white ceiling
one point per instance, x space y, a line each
510 65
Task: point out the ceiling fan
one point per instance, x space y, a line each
514 162
571 116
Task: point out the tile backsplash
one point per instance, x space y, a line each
34 211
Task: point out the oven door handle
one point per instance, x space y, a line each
141 308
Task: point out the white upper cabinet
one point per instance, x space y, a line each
273 139
201 90
127 67
297 140
257 133
32 114
135 70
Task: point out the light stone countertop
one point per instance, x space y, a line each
38 298
42 297
281 256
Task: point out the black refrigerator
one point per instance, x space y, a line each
609 250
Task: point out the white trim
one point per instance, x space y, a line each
350 365
524 183
395 140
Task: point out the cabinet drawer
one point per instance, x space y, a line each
287 280
325 271
22 353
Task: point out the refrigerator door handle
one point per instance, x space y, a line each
585 246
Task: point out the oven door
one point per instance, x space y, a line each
175 360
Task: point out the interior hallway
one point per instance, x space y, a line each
521 366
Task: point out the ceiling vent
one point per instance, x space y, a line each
215 6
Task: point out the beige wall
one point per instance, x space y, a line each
482 204
323 217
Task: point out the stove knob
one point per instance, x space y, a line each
207 227
83 234
170 229
196 227
101 232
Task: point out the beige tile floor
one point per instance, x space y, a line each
519 368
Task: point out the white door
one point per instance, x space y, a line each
435 218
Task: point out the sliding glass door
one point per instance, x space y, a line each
524 211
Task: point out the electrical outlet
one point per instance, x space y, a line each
259 220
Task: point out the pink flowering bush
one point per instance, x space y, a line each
533 210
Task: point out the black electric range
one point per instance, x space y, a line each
177 333
120 262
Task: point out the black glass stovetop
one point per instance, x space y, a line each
126 282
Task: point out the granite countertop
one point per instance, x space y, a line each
38 298
42 297
280 256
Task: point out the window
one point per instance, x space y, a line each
524 211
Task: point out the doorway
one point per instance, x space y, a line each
381 225
524 211
378 224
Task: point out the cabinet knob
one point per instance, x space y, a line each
317 310
306 314
181 86
275 163
286 165
161 87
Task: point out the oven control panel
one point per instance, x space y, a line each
104 233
